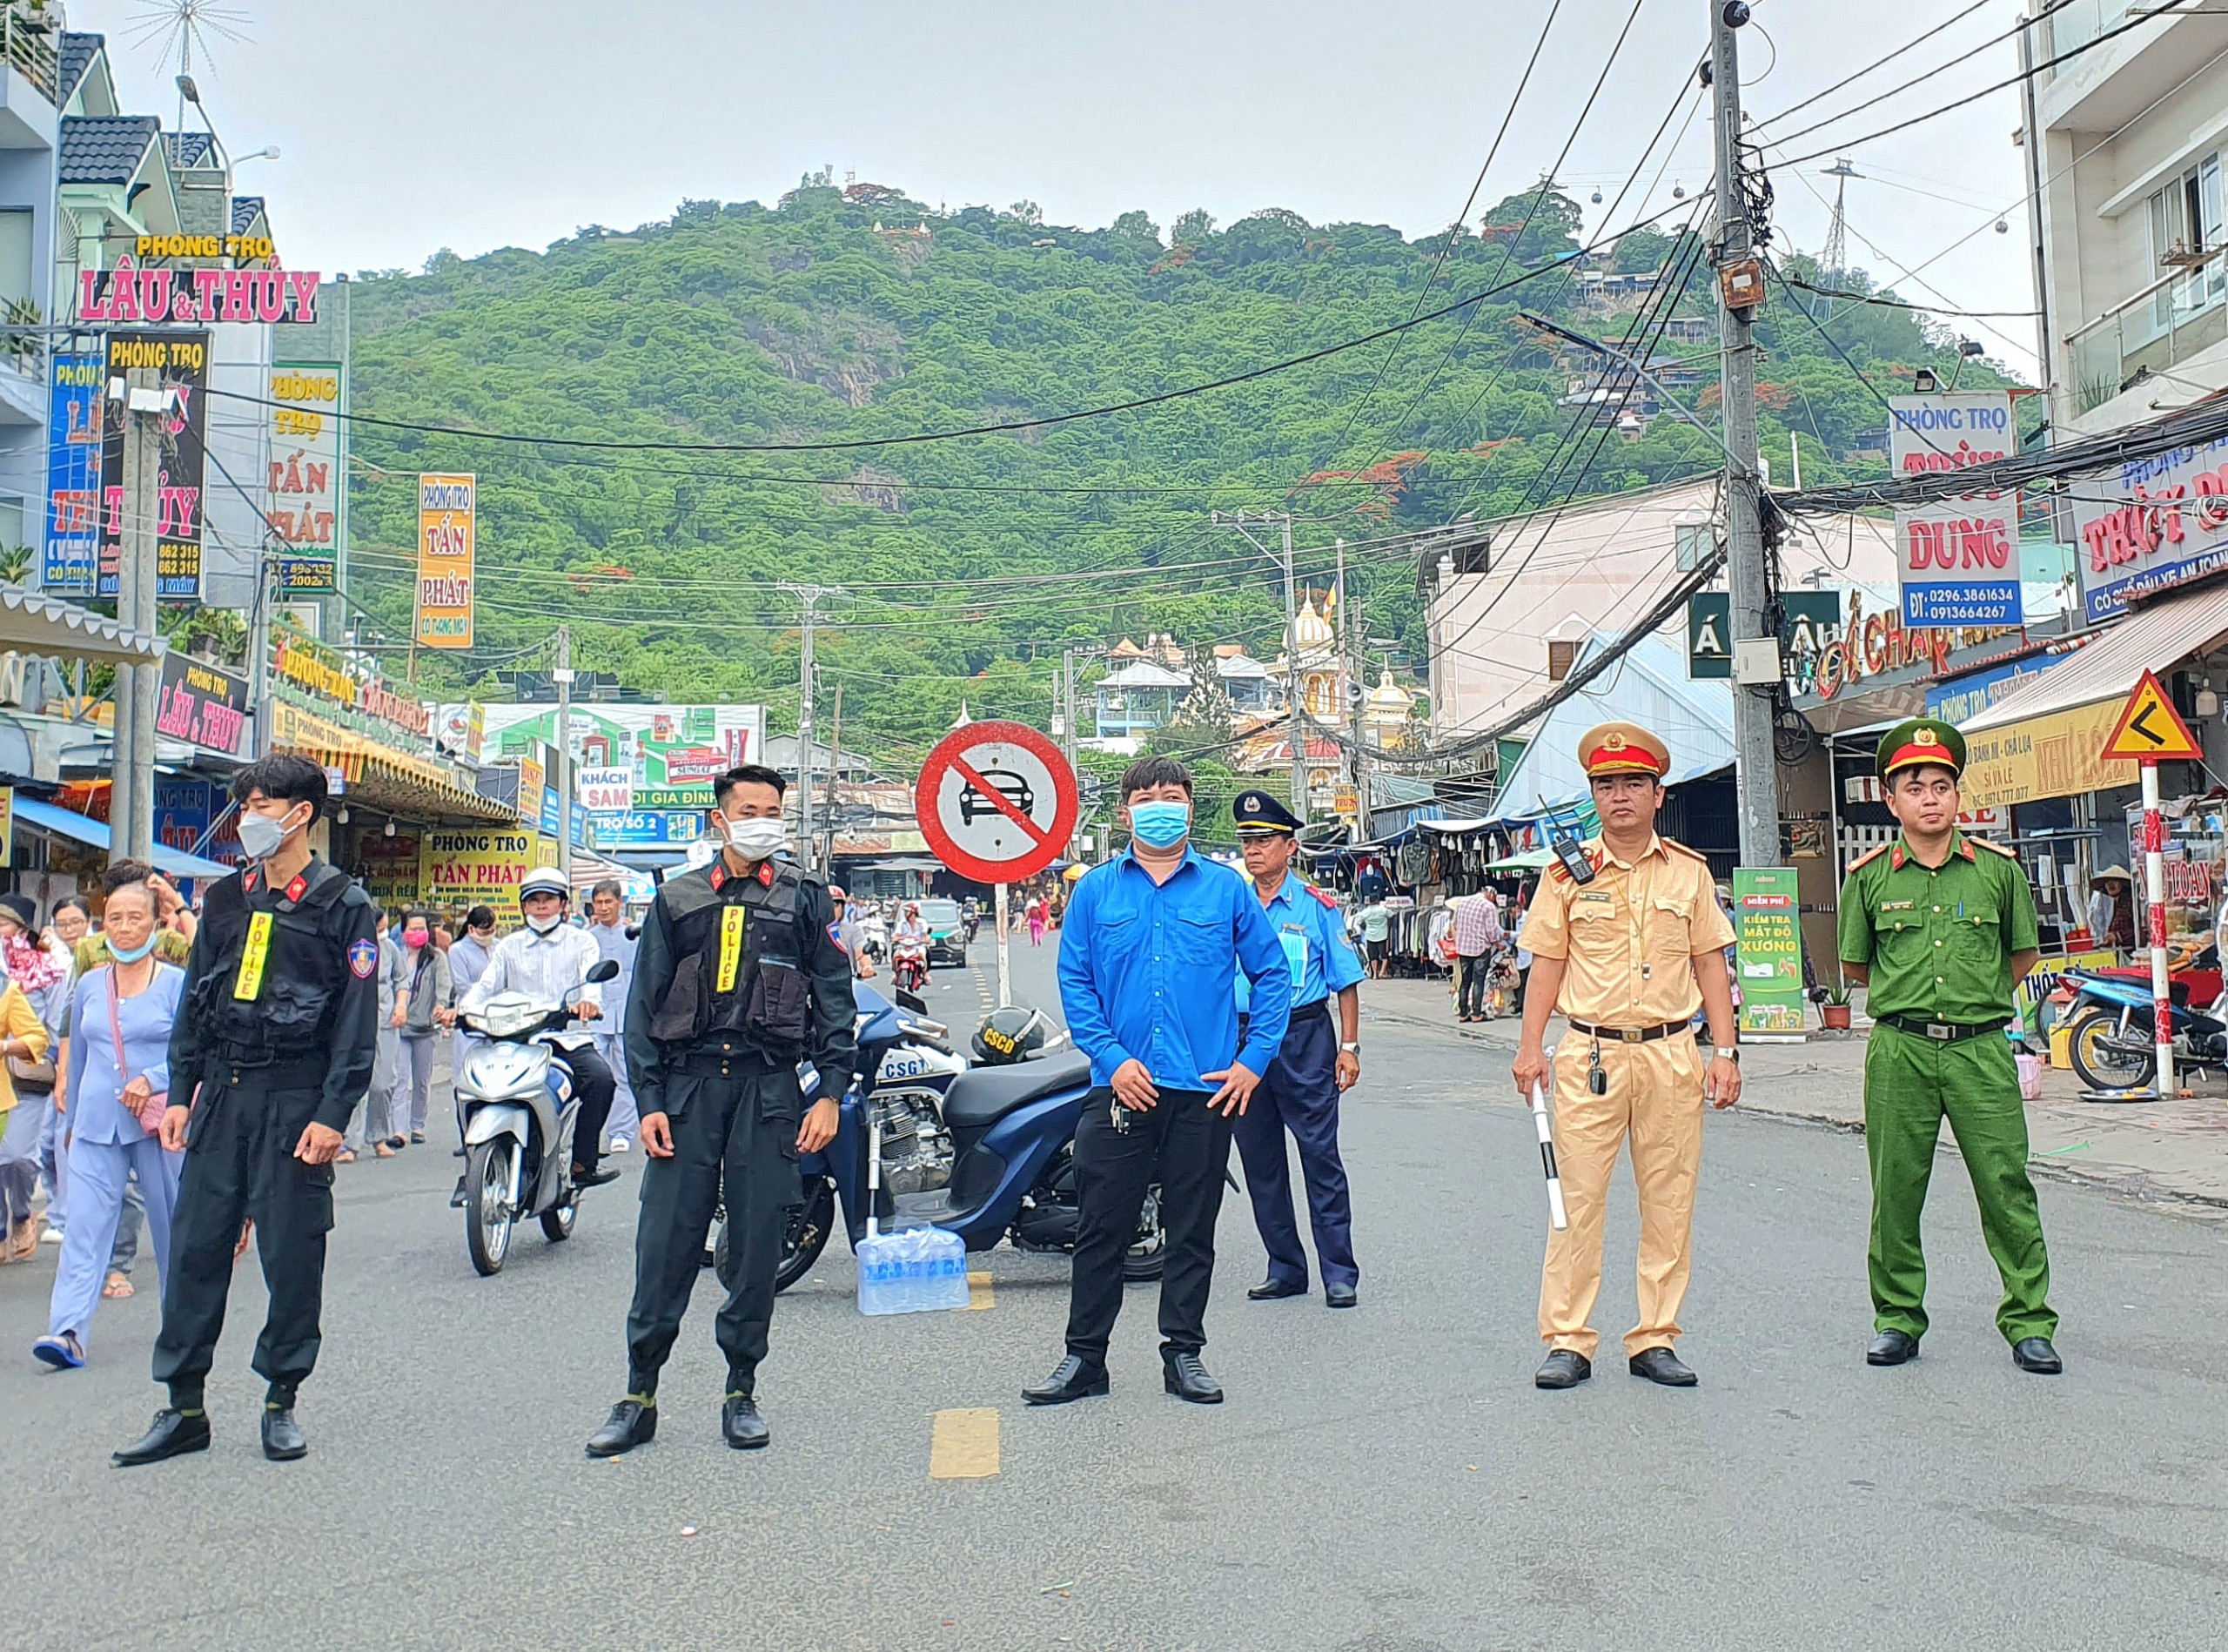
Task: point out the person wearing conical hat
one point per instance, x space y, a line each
1939 927
2111 907
1627 940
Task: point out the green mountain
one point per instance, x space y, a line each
845 315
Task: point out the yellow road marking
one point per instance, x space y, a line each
980 1295
964 1444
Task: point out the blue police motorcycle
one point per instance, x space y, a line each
2112 1029
985 1151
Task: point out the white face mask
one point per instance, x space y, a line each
260 836
543 925
758 839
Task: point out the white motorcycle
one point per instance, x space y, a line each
515 1111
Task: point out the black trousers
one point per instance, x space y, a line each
241 1164
1185 1145
1470 991
740 1127
595 1084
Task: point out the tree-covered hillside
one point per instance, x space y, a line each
838 316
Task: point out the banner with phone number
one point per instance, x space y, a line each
1765 917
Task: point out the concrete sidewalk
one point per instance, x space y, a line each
2174 1150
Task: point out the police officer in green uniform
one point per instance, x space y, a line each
271 1050
1940 926
738 976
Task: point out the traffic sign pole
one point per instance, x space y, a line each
1005 958
997 803
2154 877
2150 731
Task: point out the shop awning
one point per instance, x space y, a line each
83 829
1531 860
382 777
31 624
2152 638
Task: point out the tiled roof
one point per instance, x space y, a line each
105 148
77 56
188 149
245 210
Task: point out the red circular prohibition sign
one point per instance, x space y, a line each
952 755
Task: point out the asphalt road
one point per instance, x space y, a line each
1381 1481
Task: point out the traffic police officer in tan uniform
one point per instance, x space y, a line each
1626 942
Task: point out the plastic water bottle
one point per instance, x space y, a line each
949 1288
877 1274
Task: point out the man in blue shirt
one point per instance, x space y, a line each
1151 940
1300 1091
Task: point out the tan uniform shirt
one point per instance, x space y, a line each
1631 935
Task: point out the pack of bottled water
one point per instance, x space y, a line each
915 1270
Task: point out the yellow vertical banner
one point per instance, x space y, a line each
448 535
7 825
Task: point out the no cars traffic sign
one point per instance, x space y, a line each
997 801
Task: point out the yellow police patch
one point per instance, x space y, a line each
731 920
247 985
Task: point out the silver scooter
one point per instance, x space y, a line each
515 1111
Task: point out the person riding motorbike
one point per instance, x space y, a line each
912 936
547 959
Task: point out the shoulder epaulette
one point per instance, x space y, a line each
1322 895
1869 855
1982 842
1678 848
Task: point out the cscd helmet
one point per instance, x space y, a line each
545 880
1007 1035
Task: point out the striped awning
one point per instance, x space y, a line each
32 623
380 776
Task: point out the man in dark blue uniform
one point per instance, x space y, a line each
1300 1092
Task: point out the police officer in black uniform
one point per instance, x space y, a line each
739 975
272 1049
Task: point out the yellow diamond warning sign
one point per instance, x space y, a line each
2150 729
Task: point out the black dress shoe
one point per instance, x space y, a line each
1661 1366
1074 1378
595 1178
2035 1355
282 1435
1271 1289
631 1424
1185 1378
1565 1368
739 1421
1340 1296
1892 1347
171 1434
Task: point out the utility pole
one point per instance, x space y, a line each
835 774
1068 704
1350 631
1292 701
809 597
564 675
131 793
1739 283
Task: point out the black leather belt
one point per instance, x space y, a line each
1631 1035
1940 1032
269 1071
700 1062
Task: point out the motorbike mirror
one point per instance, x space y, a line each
912 1001
607 970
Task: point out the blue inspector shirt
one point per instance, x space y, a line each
1313 936
1145 970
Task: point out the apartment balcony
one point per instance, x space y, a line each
2110 84
2171 330
29 79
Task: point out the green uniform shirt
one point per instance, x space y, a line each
1939 939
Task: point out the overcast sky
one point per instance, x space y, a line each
408 125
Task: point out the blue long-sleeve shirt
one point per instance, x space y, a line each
1146 972
98 1111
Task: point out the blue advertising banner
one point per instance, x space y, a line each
183 809
73 476
647 829
1968 696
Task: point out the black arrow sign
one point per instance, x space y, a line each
2140 724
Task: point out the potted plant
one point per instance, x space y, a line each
1833 1009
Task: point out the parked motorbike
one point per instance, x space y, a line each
515 1111
985 1151
2112 1027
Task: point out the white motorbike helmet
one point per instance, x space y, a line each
546 880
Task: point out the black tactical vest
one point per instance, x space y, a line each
750 984
302 973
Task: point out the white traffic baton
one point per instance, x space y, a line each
1556 1214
